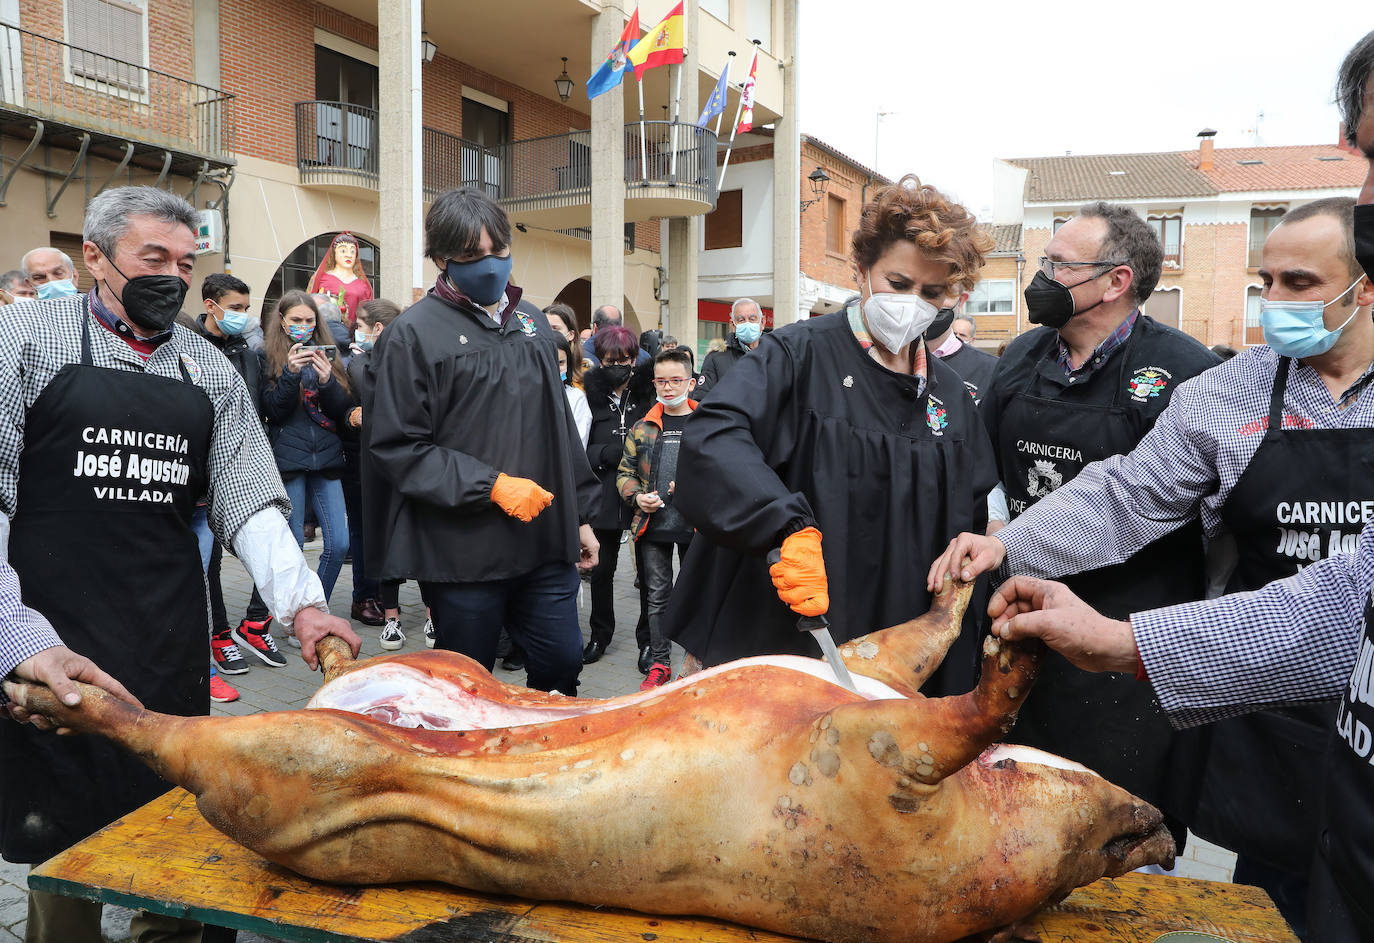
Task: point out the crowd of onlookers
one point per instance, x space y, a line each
305 364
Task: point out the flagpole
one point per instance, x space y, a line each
739 107
672 128
643 147
721 114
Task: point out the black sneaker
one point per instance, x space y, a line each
255 638
392 637
228 659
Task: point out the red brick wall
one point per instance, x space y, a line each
267 78
847 183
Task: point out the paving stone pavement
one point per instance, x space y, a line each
289 688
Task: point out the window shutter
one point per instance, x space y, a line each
108 39
71 244
834 224
724 226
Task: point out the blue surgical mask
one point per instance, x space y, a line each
362 339
233 322
58 289
482 280
1296 328
563 375
748 332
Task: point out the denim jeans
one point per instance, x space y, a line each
656 573
205 540
326 497
538 608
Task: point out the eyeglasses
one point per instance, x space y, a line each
1050 266
670 382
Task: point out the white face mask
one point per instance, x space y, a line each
675 401
896 320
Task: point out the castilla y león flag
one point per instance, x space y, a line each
662 45
746 121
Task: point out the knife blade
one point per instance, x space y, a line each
819 627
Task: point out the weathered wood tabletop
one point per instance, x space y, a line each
166 858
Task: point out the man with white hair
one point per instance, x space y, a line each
50 271
114 422
746 319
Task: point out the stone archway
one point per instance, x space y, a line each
297 268
577 294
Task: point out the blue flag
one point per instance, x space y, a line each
716 103
613 70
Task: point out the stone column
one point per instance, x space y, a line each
608 165
684 233
399 188
787 179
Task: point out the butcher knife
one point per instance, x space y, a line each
819 627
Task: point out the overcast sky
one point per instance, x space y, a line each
973 80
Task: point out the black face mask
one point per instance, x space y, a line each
152 301
941 324
1364 238
1050 303
616 376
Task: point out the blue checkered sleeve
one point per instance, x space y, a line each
23 632
1292 641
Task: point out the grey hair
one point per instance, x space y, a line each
329 308
24 262
1129 241
744 301
973 325
1352 83
108 215
12 278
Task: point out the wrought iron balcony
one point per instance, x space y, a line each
670 169
57 88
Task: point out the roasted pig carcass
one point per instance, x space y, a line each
760 791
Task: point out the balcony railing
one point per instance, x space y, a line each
56 81
337 143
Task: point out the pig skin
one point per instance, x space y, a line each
755 793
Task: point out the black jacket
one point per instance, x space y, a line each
606 441
299 442
458 400
718 363
246 360
975 367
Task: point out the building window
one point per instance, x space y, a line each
759 22
110 42
724 226
834 224
1165 306
1058 222
346 132
489 129
995 296
297 268
1262 223
1169 229
720 9
1254 334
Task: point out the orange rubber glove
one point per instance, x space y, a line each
521 498
800 575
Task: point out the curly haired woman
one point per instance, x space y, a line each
842 426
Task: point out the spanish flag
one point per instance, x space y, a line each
662 45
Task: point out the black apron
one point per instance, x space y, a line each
1108 722
112 466
1342 904
1261 779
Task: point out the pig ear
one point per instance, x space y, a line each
923 740
905 655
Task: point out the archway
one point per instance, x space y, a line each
577 294
297 268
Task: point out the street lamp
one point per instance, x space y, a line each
819 181
427 49
563 83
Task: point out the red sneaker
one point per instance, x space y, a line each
258 641
228 659
659 673
221 691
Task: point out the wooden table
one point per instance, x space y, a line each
166 858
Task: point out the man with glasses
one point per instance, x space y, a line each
1087 385
1271 452
746 319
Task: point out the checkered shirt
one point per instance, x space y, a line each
1100 353
1186 465
1293 641
40 338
